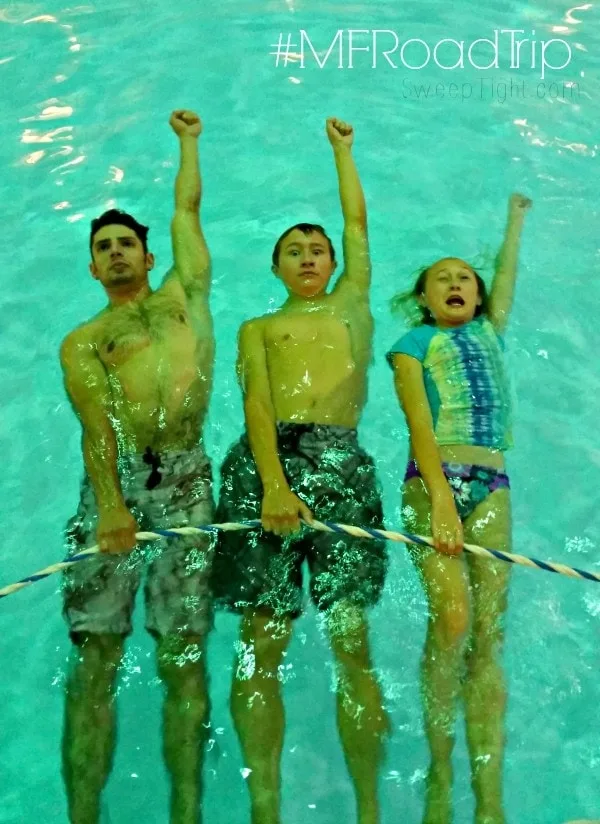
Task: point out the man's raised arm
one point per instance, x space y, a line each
191 258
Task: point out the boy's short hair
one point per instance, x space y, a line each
117 216
306 229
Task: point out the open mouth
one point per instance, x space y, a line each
455 300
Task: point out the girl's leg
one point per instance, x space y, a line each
445 581
485 691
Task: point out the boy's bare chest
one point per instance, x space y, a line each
319 331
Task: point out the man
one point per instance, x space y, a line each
303 372
139 377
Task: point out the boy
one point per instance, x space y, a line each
303 372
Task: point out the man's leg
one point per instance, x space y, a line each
179 617
485 690
361 717
89 733
257 709
181 666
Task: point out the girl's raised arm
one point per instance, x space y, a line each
505 276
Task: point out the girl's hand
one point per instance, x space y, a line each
519 204
446 526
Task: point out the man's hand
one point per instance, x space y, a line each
116 530
282 510
339 133
185 123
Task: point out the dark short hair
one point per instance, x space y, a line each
306 229
117 216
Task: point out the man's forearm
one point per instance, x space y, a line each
351 193
100 457
188 185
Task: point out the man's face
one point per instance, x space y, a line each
305 265
118 257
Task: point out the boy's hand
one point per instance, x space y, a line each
282 510
339 133
185 123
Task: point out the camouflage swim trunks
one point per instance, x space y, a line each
162 491
326 467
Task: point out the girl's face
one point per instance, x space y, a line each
451 292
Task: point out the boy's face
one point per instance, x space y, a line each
305 265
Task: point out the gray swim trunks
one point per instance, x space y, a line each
327 468
163 491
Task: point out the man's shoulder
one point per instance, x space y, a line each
85 333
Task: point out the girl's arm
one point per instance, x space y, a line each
503 286
446 527
410 388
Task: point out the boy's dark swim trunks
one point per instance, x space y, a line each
326 467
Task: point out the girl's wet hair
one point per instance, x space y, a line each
306 229
116 216
407 303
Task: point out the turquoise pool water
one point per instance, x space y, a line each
86 91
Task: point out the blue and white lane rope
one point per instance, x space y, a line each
322 526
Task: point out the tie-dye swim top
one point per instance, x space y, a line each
465 381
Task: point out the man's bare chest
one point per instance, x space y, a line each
157 325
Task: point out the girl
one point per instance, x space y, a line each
450 381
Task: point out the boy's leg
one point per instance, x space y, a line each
361 717
348 575
258 574
257 708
